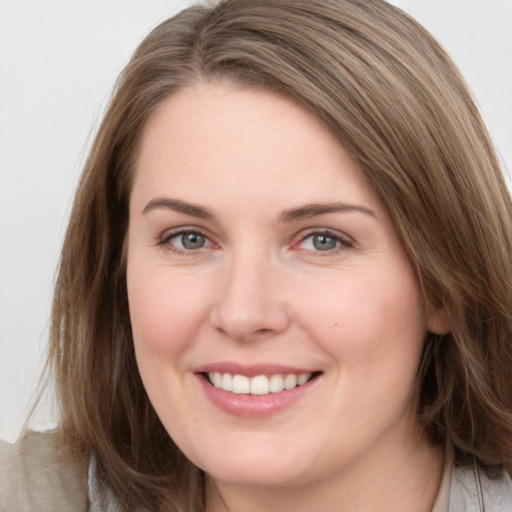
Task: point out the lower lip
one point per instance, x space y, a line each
254 406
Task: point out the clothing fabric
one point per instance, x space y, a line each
442 503
473 491
34 477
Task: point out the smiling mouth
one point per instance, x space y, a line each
260 384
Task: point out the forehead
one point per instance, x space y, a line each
211 141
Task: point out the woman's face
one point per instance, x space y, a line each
260 259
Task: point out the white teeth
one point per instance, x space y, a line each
241 384
303 378
217 379
260 385
276 383
290 381
227 382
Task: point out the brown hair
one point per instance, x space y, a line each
396 102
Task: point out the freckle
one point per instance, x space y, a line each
336 324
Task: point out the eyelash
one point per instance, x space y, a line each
164 241
342 242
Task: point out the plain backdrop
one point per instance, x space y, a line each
58 62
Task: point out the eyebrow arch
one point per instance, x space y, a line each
312 210
179 206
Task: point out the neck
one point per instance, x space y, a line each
402 479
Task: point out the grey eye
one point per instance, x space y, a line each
193 240
324 242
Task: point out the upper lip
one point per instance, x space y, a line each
251 370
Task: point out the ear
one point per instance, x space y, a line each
438 321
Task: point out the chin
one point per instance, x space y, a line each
263 467
252 476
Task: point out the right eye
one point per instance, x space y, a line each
186 241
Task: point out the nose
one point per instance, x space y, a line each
250 302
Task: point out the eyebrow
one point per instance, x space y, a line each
290 215
176 205
312 210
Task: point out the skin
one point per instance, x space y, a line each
260 291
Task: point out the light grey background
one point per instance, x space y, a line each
58 62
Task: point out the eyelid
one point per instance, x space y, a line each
345 240
164 239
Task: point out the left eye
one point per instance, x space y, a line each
322 242
188 240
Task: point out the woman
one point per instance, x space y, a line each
286 282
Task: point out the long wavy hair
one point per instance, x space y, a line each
393 98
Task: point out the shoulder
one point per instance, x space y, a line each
33 476
472 490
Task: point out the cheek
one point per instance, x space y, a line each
166 313
372 324
366 305
374 333
165 310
